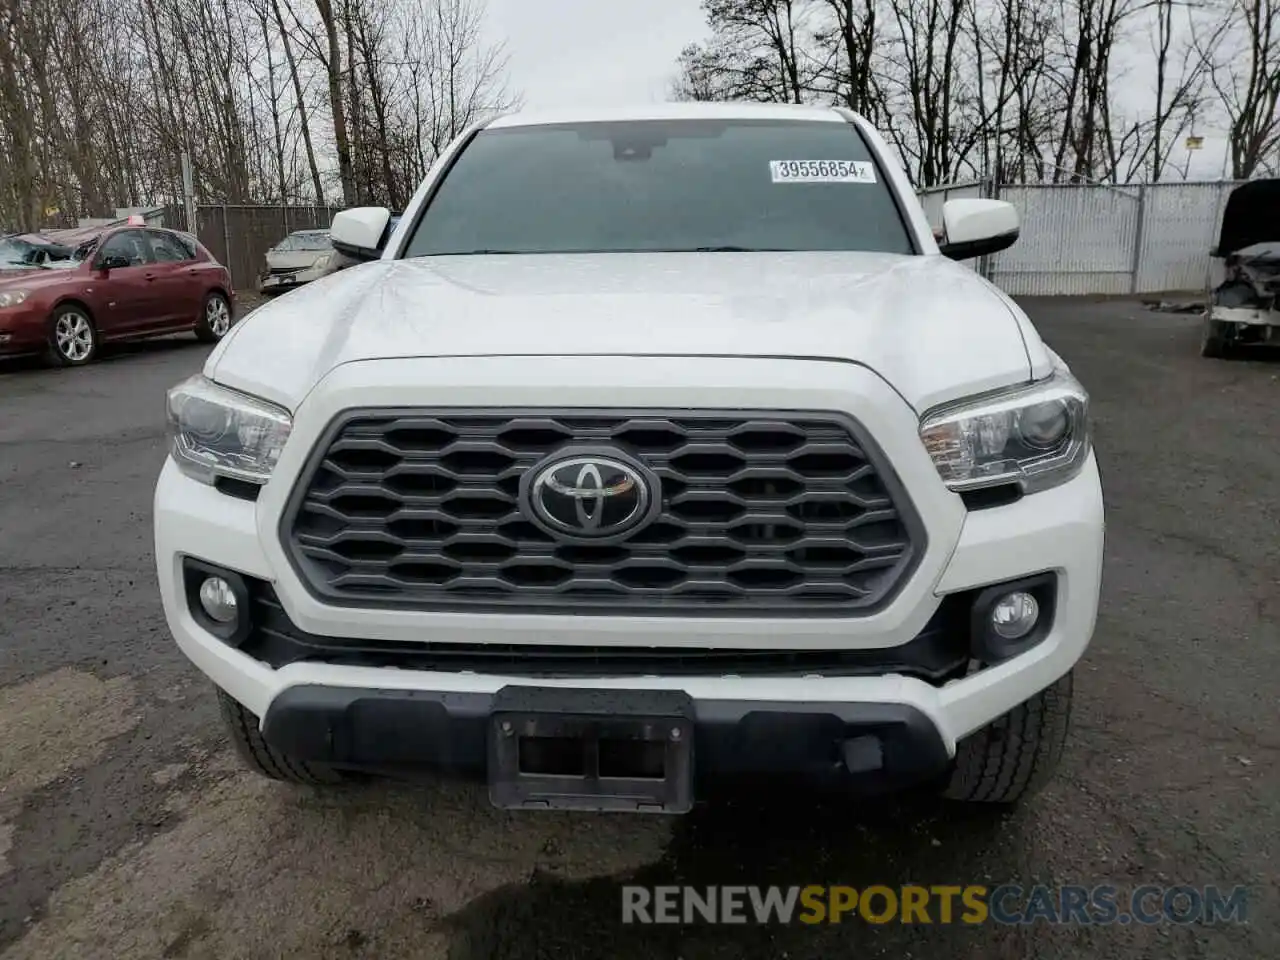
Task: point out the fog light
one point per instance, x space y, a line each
218 600
1012 617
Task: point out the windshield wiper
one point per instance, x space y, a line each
728 248
476 253
485 252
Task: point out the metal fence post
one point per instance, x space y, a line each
1139 229
226 236
189 193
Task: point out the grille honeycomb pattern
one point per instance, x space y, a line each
759 513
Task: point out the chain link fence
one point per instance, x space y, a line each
240 235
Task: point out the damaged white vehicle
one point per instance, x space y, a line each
1242 307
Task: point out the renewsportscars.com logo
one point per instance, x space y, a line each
944 904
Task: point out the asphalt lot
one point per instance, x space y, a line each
127 828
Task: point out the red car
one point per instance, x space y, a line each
125 284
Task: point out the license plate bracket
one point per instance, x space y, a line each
591 750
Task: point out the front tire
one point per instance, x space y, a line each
1017 755
215 319
260 757
73 339
1215 343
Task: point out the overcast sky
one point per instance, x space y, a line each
603 52
594 52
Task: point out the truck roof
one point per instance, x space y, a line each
670 111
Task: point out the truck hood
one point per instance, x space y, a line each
930 327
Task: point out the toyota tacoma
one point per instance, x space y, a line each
650 449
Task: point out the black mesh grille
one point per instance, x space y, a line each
759 513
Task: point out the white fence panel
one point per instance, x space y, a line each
1179 228
1074 240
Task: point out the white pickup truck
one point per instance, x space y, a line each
650 448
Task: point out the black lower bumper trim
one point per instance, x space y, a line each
939 651
399 731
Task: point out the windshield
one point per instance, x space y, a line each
14 252
663 186
303 242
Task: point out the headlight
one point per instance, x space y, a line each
215 432
321 260
11 298
1036 435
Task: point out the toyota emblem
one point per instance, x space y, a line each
590 496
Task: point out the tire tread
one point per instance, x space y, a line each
1214 344
261 757
1015 756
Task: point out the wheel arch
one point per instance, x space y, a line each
51 350
221 291
74 301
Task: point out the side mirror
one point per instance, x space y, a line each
361 232
113 263
975 228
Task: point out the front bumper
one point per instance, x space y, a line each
280 282
357 712
22 331
1261 319
871 745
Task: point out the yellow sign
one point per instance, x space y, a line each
1195 143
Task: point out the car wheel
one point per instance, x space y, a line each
242 726
1214 342
73 339
1017 755
215 319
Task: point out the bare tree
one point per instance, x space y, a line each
850 63
931 87
299 100
1058 90
757 53
331 56
1247 80
1180 95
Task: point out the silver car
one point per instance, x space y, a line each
299 258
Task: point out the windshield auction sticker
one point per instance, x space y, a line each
822 171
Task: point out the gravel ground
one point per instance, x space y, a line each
127 828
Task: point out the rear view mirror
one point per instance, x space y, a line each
361 232
113 263
976 228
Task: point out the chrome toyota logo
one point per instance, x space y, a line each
590 496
